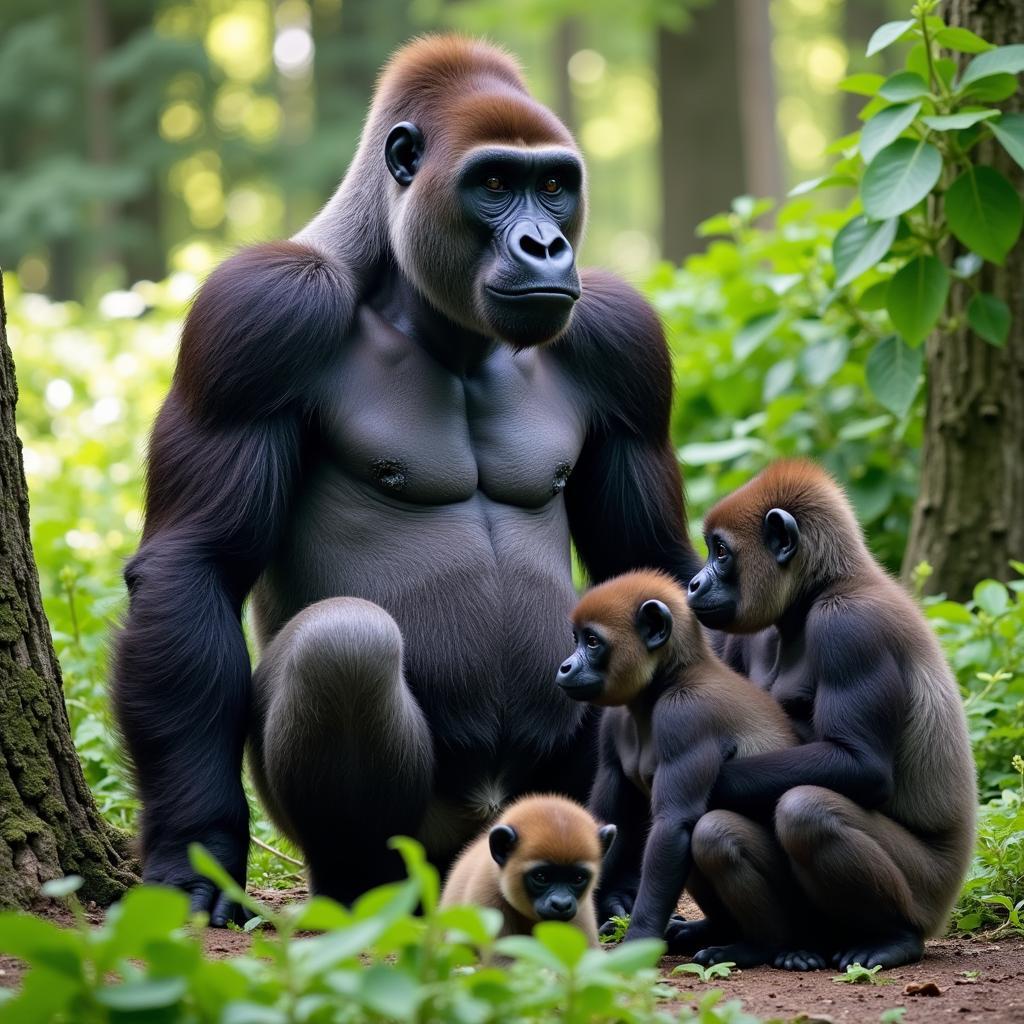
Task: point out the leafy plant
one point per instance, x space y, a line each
856 974
617 932
377 961
894 1015
706 974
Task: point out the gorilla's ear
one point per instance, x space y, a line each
654 622
606 836
503 839
781 534
402 151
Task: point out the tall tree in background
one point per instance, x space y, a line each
50 825
968 520
719 65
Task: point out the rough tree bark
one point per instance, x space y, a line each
968 519
49 825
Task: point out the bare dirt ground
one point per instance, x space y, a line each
962 980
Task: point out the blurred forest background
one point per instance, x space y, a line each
141 141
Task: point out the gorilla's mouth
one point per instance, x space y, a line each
558 293
715 616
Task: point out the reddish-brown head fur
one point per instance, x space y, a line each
612 609
831 543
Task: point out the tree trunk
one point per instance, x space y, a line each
49 825
701 149
755 66
969 515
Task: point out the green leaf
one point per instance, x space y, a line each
950 611
961 39
756 330
826 181
857 430
631 957
957 122
417 866
859 245
319 914
523 947
821 361
701 453
566 941
899 177
984 212
873 297
903 86
885 127
989 318
866 83
1009 130
887 34
992 597
916 297
147 994
779 376
1003 60
892 372
58 888
390 992
992 89
41 942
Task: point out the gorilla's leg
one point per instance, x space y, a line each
745 869
863 868
341 752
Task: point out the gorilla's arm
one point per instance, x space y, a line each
625 495
224 459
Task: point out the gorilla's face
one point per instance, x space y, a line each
490 241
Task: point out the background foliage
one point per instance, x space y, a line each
795 330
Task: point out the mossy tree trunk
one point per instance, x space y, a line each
49 825
969 516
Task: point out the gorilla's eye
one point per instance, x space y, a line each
540 877
593 640
494 184
552 186
721 551
580 878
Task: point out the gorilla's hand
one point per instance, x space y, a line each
618 903
168 864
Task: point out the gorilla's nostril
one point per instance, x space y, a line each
694 585
532 247
565 667
558 246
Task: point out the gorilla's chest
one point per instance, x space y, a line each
399 420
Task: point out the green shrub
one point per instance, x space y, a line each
375 962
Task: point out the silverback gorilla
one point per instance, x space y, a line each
386 430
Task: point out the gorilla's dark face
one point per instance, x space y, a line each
490 240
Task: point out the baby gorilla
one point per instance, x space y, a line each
675 714
539 863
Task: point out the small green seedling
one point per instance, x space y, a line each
715 972
893 1016
618 930
856 974
970 975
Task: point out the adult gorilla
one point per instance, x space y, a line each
414 403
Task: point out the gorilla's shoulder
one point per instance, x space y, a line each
262 327
615 347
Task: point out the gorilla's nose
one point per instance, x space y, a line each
541 247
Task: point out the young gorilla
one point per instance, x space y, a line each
874 813
539 863
675 713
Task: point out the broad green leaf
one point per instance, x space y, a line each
701 453
864 84
418 867
1009 130
956 122
146 994
903 86
899 177
859 245
58 888
566 941
887 34
826 181
390 992
993 89
992 596
756 330
631 957
524 947
916 297
779 376
989 318
859 429
319 914
874 297
885 127
820 362
1003 60
962 40
207 866
892 372
950 611
984 212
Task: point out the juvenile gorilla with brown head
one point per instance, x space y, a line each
386 430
